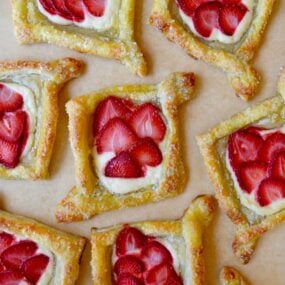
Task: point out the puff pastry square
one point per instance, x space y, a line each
29 109
91 195
33 253
177 24
108 33
251 190
183 239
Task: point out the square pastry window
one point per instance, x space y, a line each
223 33
154 252
245 160
100 27
33 253
28 114
125 143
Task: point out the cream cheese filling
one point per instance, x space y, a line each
104 22
217 34
249 200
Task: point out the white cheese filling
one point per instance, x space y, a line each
217 34
104 22
249 200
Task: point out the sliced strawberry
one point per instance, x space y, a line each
107 109
75 8
129 264
9 153
48 6
270 190
146 152
163 274
129 240
96 7
127 279
34 267
206 18
6 240
243 147
251 174
9 99
12 125
230 17
147 122
123 166
13 278
155 253
116 136
62 10
14 256
277 166
189 6
272 145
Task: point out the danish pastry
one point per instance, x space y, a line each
157 252
33 253
245 160
126 147
28 114
99 27
223 33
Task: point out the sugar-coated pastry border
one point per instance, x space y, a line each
68 248
230 276
242 77
32 27
192 228
247 233
89 197
57 72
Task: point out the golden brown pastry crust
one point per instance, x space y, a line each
89 197
191 228
248 230
67 248
241 76
230 276
31 27
51 76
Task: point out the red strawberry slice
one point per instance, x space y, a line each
243 147
129 264
96 7
127 279
270 190
14 256
6 240
75 8
48 6
155 253
146 152
9 153
230 17
107 109
277 166
189 6
9 99
251 174
163 274
34 267
272 145
62 10
116 136
12 125
206 18
123 166
13 278
129 240
147 122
